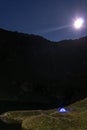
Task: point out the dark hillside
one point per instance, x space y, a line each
36 70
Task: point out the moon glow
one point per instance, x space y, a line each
78 23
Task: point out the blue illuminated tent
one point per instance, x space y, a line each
62 110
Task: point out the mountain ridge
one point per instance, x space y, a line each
32 67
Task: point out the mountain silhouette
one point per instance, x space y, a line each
34 69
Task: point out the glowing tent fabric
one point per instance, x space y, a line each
63 110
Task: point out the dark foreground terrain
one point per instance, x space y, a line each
74 119
38 71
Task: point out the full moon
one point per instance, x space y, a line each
78 23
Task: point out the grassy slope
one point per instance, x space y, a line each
51 119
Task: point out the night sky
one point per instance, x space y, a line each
52 19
